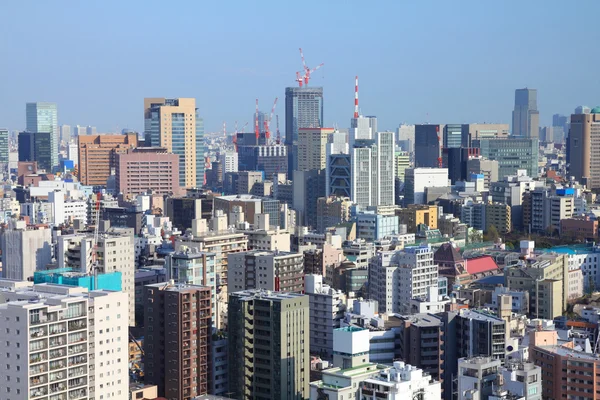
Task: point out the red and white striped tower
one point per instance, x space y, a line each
256 131
356 97
224 130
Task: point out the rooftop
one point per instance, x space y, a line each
480 264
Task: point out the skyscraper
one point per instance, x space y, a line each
526 117
269 344
456 135
428 146
312 148
43 117
560 128
36 146
584 165
98 156
582 110
3 149
175 124
303 109
372 170
65 133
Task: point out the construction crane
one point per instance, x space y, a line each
94 265
235 136
307 71
278 133
256 131
268 122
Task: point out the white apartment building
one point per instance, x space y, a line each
115 253
229 161
402 381
327 307
62 342
63 211
372 170
397 277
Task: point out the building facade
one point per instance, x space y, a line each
526 117
175 124
147 169
98 156
43 118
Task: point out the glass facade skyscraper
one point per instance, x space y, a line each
175 124
512 154
43 118
526 117
303 109
4 149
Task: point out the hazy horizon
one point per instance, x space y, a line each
437 62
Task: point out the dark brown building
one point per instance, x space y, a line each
177 330
451 265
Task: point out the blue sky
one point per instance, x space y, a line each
417 61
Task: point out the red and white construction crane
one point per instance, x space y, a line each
268 122
305 77
256 129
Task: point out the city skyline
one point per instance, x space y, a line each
411 77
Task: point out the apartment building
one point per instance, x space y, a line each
63 342
546 277
177 332
269 270
98 156
312 148
268 335
498 215
332 211
402 381
192 267
397 277
414 215
327 307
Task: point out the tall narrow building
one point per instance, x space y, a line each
303 109
177 331
428 146
43 118
584 164
312 148
526 117
269 343
372 170
175 124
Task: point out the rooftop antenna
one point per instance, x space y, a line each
256 131
356 97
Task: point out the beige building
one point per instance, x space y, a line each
485 167
584 141
172 124
312 143
401 162
332 211
416 214
488 131
546 277
498 215
98 156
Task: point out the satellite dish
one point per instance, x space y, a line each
509 348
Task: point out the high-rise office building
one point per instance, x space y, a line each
4 150
175 124
43 118
312 144
63 342
65 133
526 117
372 170
79 130
303 109
582 110
584 164
269 344
36 146
147 168
91 130
456 135
560 128
98 156
177 331
512 154
428 146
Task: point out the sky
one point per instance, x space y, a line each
417 61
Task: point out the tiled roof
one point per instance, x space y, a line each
480 264
447 253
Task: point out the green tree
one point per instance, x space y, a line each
491 235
